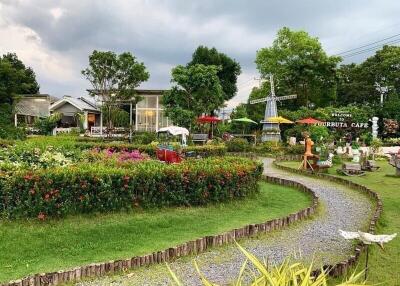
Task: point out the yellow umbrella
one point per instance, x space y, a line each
278 119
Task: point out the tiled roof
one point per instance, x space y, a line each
80 103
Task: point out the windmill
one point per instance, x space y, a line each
271 131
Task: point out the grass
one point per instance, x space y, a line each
384 265
30 246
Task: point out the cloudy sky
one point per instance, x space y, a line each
56 37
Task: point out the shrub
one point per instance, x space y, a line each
47 125
144 137
269 147
237 145
6 143
295 149
88 188
150 149
9 132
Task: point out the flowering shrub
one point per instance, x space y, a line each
12 159
150 149
97 155
85 187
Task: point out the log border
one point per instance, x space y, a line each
340 268
192 247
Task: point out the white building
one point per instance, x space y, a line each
148 114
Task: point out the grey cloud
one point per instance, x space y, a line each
165 33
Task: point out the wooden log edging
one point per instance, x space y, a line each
192 247
342 267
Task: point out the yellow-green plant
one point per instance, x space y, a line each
286 274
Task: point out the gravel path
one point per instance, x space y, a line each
342 208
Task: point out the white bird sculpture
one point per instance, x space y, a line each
368 238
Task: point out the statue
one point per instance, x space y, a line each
395 162
308 155
375 127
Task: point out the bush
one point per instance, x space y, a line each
46 125
297 149
269 147
150 149
10 132
144 137
88 188
237 145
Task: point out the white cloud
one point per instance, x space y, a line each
57 12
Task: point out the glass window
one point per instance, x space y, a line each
148 102
146 120
162 119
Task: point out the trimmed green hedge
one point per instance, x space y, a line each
93 188
206 150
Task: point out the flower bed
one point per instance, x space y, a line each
205 150
84 188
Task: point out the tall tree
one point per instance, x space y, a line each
363 83
300 66
229 68
114 78
196 90
15 79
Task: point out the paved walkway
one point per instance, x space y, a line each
341 208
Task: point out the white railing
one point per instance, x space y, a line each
61 130
97 131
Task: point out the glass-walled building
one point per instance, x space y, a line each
149 112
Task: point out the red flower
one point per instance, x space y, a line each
28 177
32 191
47 197
41 216
81 197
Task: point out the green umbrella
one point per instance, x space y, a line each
244 119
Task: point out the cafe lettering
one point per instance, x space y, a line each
339 124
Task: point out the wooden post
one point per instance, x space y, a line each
130 122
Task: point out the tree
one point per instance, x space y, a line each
15 79
352 87
114 78
300 66
229 68
196 90
256 112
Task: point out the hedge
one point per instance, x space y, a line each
95 188
206 150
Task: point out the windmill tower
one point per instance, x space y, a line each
271 130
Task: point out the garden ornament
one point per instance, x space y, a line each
326 163
367 239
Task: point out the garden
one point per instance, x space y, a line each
296 197
97 201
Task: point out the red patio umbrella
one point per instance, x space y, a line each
309 120
208 119
211 120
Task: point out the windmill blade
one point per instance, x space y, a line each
285 97
259 100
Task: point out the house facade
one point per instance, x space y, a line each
31 107
147 115
76 112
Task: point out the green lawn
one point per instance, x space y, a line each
384 265
28 247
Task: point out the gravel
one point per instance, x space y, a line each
317 239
